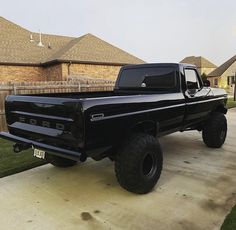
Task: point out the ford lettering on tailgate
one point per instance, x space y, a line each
42 123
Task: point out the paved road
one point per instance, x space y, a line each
196 190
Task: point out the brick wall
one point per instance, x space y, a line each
21 73
53 73
96 71
56 72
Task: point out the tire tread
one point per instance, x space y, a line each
128 160
211 131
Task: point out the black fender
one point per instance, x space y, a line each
149 126
221 109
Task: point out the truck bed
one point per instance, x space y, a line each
98 94
73 121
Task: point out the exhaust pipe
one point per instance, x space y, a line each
18 147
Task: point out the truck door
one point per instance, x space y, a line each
196 96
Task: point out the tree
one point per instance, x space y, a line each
204 77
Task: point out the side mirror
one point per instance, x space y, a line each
206 83
192 92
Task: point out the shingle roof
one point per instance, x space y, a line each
16 48
221 69
199 61
90 48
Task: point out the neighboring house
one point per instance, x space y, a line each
204 66
24 56
224 75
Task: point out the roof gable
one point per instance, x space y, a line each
221 69
199 61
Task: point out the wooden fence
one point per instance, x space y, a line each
47 87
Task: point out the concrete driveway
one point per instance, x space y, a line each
196 191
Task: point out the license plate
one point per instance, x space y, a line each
39 153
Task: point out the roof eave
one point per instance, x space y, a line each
20 64
58 61
212 76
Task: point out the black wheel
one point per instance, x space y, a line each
215 130
59 161
138 163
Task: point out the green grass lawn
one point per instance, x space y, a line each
230 221
231 103
11 162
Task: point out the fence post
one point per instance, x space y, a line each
87 85
14 89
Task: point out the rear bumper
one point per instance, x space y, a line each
34 144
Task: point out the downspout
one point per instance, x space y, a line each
68 68
235 85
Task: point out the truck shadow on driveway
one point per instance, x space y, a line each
185 156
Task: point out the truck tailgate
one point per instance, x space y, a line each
48 120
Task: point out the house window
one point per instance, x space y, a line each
215 82
233 79
230 80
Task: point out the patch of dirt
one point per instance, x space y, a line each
96 211
86 216
220 206
224 179
186 225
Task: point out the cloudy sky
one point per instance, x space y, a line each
154 30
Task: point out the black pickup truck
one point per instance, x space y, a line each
148 101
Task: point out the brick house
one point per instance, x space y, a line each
224 75
27 56
204 66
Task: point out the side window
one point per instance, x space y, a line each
192 79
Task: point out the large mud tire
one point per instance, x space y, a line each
138 163
215 130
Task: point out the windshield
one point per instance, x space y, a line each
160 78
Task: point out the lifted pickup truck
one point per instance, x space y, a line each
148 101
